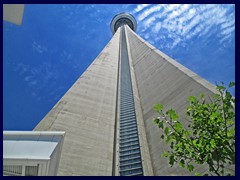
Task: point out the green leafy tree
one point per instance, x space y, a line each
210 135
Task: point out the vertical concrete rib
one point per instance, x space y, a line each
114 163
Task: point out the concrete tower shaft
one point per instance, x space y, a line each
107 113
121 19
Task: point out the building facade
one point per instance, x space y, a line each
108 112
31 153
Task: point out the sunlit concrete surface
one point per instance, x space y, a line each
13 13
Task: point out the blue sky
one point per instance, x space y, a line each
56 43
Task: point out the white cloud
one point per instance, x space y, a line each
196 20
228 31
148 22
186 21
176 42
178 11
225 38
198 29
27 78
205 31
215 15
140 7
157 27
171 7
146 36
228 24
39 48
149 11
23 68
205 7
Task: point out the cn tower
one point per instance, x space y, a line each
107 113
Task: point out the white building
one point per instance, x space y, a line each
31 153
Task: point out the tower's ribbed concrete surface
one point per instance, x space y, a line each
87 114
161 79
102 137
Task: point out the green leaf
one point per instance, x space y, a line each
221 88
156 120
160 124
165 154
230 133
197 174
207 147
158 107
231 84
213 144
194 142
216 96
190 167
201 96
171 160
173 115
178 126
169 138
214 115
188 133
167 130
189 108
192 99
182 163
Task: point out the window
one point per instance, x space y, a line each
128 125
128 129
129 147
129 136
125 157
128 132
135 160
132 172
129 143
31 171
128 139
129 152
132 166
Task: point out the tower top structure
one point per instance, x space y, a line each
121 19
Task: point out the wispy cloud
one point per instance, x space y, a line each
27 78
37 78
33 82
148 22
157 27
228 24
228 30
149 11
186 21
39 48
140 7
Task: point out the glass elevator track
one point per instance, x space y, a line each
130 161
